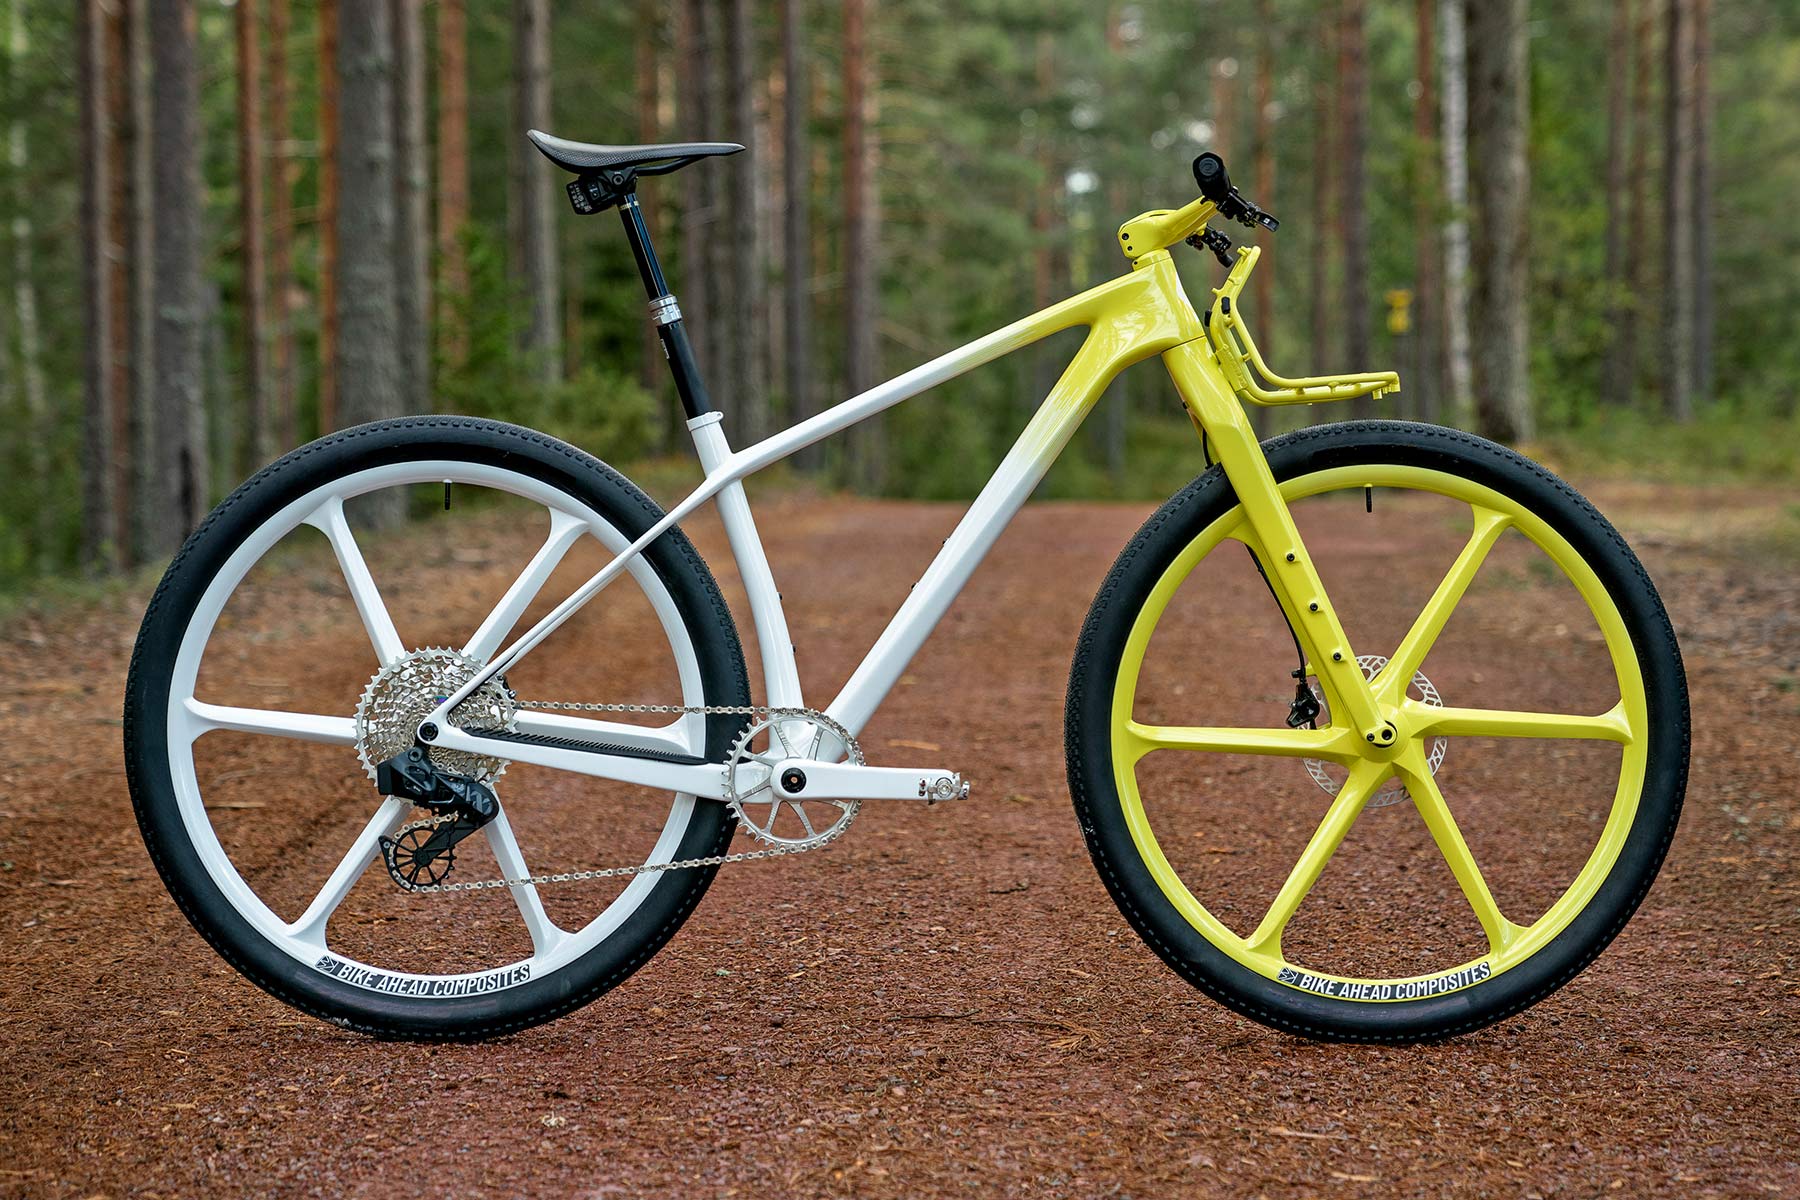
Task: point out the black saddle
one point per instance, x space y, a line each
584 158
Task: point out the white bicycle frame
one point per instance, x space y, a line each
1131 318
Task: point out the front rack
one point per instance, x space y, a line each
1243 364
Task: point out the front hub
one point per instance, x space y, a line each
1331 777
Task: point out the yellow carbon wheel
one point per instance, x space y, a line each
1519 962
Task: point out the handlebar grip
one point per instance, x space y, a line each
1209 173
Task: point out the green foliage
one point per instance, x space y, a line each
599 408
1719 444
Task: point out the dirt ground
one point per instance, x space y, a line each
945 1002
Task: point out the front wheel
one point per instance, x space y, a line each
1280 869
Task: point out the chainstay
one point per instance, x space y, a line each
760 711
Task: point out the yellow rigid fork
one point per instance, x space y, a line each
1214 378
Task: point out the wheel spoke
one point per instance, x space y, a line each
544 932
1391 684
1413 770
306 727
1610 726
1330 742
1365 777
328 518
310 927
565 531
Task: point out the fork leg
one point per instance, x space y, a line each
1220 416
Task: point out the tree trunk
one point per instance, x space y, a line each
1615 379
1703 200
99 534
649 131
330 141
533 198
693 101
258 438
796 196
1498 111
281 232
1263 171
412 231
744 383
452 176
713 80
862 366
1426 384
36 432
1353 110
1637 214
119 140
1678 212
146 483
1324 205
369 363
180 482
1453 101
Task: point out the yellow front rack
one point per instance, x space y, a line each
1250 376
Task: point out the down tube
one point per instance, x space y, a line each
1025 465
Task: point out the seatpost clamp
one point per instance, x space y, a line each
664 310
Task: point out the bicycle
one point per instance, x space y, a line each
435 728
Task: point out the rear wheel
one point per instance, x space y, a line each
287 649
1184 781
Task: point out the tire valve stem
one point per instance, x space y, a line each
1368 497
446 495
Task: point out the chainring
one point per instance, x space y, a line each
750 779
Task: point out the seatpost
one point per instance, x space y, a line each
665 312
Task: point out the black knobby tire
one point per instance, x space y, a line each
677 565
1150 912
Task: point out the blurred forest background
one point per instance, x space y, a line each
229 227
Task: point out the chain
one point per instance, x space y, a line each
761 712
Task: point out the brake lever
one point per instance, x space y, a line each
1244 212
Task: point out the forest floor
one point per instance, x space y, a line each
946 1002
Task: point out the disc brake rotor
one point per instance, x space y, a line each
1332 777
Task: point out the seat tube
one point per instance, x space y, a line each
781 674
1291 574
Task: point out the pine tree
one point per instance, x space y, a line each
368 347
180 479
1498 109
412 229
535 241
258 433
100 534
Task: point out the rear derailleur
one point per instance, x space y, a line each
421 854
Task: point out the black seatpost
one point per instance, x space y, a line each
665 312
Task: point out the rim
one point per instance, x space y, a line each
188 719
1509 944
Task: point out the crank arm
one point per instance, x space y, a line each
800 778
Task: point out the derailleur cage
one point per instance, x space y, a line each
460 805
